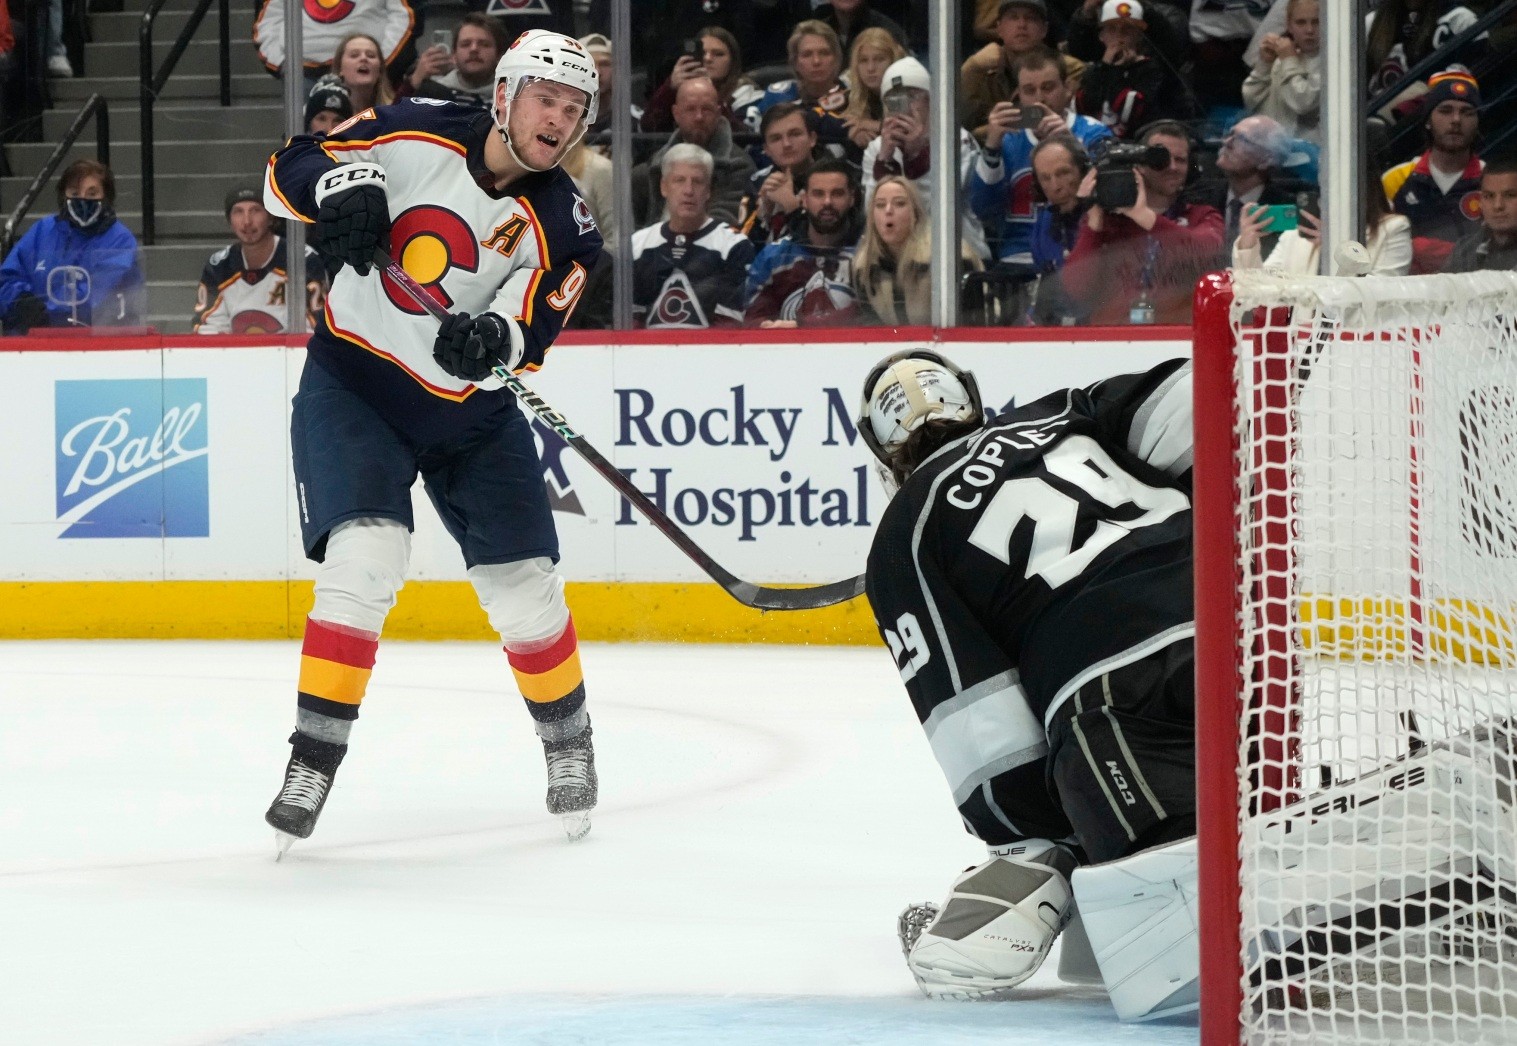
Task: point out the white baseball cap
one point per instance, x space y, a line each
1123 11
905 72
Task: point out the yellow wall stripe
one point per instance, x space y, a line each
332 681
603 611
553 684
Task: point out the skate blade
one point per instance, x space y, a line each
577 825
282 840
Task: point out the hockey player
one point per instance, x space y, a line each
474 205
1032 578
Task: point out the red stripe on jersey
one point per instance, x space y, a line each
344 646
545 659
537 231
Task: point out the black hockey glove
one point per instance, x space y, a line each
469 347
27 311
352 216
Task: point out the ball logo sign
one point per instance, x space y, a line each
131 458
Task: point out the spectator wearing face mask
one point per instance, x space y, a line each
82 254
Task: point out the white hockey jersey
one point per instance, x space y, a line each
391 22
234 298
525 254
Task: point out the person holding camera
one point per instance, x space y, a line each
989 77
460 66
903 146
1298 250
1253 152
1000 182
1142 245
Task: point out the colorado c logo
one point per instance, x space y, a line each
428 241
328 11
1469 205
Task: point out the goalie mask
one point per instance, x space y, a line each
539 55
902 393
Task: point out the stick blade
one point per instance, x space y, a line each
796 598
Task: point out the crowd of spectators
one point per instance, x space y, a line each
1110 152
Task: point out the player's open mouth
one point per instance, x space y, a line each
549 140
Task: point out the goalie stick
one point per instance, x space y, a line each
745 592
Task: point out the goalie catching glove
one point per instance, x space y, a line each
472 347
352 214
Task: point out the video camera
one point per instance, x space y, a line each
1116 185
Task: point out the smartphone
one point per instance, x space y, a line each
1309 203
693 49
1278 217
442 38
1032 115
897 102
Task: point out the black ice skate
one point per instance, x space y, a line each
307 782
571 782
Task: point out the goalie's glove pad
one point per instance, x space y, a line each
472 347
997 925
352 214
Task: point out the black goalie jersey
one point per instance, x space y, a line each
1026 559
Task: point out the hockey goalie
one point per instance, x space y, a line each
1032 578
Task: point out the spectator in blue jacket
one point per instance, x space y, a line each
43 279
1059 164
1001 181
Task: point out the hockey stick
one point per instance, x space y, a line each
745 592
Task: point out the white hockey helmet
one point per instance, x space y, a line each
907 388
539 54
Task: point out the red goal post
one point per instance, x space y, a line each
1356 642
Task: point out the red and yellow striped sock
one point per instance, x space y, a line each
549 676
335 664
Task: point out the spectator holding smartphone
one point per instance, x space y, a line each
714 53
463 69
1001 180
988 77
1252 154
1286 83
873 52
903 146
1387 236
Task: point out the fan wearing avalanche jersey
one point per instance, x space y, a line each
474 206
242 287
1032 578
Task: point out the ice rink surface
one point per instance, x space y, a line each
765 813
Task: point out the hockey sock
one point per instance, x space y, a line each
550 679
335 664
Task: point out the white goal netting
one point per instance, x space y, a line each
1375 491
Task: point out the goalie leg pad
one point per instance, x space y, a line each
1141 915
997 925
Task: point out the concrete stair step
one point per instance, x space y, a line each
181 263
171 303
177 120
126 26
246 87
226 159
175 192
201 58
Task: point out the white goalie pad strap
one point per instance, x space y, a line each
347 176
524 600
983 731
997 925
1142 917
364 569
513 356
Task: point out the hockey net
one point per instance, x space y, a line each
1356 606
